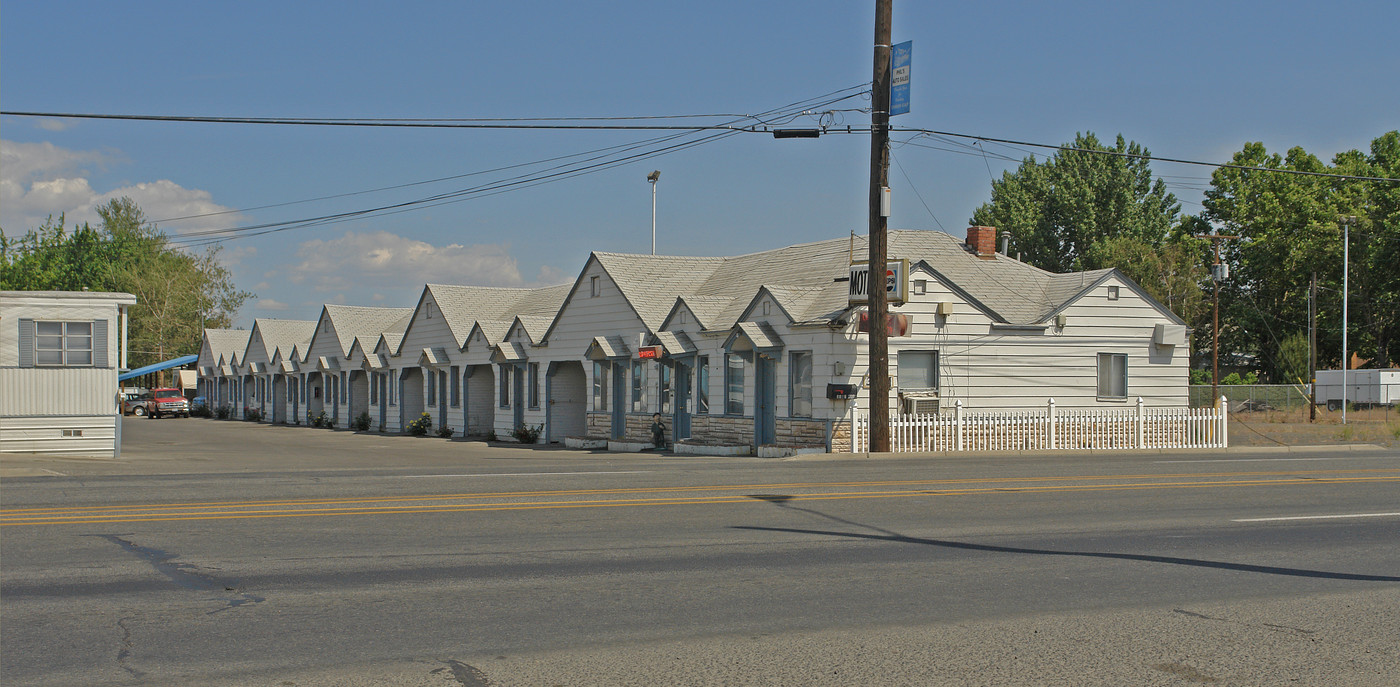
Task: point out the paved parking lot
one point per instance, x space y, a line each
195 445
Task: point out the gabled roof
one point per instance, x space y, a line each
534 326
282 334
223 342
801 279
463 306
351 322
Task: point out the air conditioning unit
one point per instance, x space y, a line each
919 403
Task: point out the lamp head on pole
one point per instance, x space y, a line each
654 176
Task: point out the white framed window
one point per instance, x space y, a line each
505 386
63 344
1113 375
1113 293
918 370
639 386
600 385
456 375
920 287
595 287
733 384
800 384
702 384
664 373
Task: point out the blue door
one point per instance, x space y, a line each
765 392
620 401
680 421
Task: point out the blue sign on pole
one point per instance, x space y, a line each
899 83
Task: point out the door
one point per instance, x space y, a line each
765 410
619 400
383 399
518 389
680 421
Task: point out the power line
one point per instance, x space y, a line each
1150 157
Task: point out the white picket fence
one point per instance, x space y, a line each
1051 429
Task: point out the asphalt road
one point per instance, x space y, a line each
233 554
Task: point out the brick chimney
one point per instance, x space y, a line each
982 241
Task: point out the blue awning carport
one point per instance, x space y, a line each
173 362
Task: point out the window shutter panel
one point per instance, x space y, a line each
99 343
26 343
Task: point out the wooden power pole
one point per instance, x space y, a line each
878 303
1217 274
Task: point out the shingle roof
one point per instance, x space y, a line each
802 278
354 322
282 335
223 342
464 306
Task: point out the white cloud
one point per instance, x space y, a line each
384 259
270 304
41 180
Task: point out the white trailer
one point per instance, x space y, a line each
1364 388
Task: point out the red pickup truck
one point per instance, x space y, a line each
168 402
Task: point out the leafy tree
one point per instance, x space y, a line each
178 293
1059 210
1290 228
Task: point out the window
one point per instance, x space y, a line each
1113 375
665 374
456 386
680 317
344 388
918 370
1113 293
432 387
534 369
702 384
63 343
766 308
374 388
733 384
920 287
600 386
442 385
595 288
505 386
800 383
639 386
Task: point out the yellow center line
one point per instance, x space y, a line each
7 513
122 516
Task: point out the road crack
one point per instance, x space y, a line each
1288 629
186 575
124 654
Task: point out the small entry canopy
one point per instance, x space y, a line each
173 362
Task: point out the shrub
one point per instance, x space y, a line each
491 436
252 414
361 422
318 420
445 432
223 412
527 434
421 426
201 410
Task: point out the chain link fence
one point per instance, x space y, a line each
1375 404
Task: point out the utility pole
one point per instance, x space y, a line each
878 303
1312 350
1217 274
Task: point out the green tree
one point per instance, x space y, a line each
178 293
1058 210
1289 224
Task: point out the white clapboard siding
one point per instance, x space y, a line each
38 391
95 435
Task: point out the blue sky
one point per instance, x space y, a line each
1191 80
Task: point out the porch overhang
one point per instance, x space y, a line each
508 352
327 364
676 344
607 348
753 336
434 357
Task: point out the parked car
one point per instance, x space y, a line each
169 402
138 404
199 402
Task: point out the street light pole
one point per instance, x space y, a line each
1346 221
652 178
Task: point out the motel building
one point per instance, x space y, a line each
764 353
